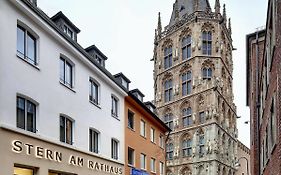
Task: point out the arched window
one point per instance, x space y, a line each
186 47
169 151
168 54
186 83
186 147
207 73
168 118
187 117
207 42
185 171
168 90
201 144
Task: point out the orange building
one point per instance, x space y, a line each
144 137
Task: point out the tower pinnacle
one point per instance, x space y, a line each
159 27
217 7
224 14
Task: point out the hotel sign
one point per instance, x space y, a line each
56 156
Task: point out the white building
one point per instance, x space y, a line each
45 99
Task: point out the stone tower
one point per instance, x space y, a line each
193 74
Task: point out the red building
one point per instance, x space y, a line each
263 93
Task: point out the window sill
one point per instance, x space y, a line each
115 116
25 60
153 142
132 166
131 129
143 137
95 104
67 87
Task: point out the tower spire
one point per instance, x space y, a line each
229 26
159 27
224 14
176 8
217 7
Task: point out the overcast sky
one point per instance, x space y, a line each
124 31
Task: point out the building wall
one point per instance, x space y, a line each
42 84
212 96
267 136
20 149
243 153
140 144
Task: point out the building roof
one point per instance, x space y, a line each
60 15
94 47
152 114
187 7
79 48
123 76
137 91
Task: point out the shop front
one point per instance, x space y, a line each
27 154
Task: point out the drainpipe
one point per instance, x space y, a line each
258 100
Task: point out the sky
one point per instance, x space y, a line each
124 31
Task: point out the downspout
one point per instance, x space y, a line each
258 101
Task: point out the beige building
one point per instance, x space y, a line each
243 163
193 74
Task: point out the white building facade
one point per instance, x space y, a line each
45 99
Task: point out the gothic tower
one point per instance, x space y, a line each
193 74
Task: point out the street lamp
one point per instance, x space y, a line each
237 164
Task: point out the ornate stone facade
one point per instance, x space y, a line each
193 89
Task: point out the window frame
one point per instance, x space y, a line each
27 33
94 87
186 79
169 120
152 135
168 90
153 165
114 106
200 117
168 57
161 168
26 101
207 39
114 149
67 120
142 155
187 115
207 73
143 128
169 151
131 115
63 80
94 146
187 148
133 157
186 46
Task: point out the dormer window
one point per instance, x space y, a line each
124 83
68 31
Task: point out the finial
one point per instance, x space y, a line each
224 14
229 26
217 7
195 5
176 9
159 27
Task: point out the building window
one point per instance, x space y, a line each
143 161
68 31
94 141
114 106
114 149
168 57
152 165
161 168
207 73
273 126
168 90
66 130
201 145
186 47
168 118
94 92
23 171
26 114
187 117
152 135
186 83
161 141
187 148
207 43
131 120
142 128
169 151
201 117
66 72
26 45
131 156
99 60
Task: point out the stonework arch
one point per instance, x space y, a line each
185 32
185 171
185 67
208 64
207 27
167 43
